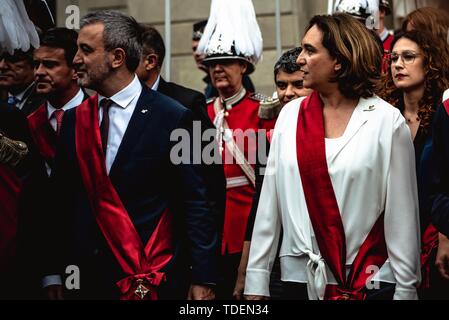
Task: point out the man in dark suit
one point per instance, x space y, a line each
440 197
149 72
17 78
22 187
56 78
133 223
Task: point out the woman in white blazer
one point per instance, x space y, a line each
340 180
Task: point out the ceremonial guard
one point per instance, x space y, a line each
371 13
232 45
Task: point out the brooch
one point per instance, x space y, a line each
370 108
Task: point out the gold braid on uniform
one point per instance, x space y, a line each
269 108
12 151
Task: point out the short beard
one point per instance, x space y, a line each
95 77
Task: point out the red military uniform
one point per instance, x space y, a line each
240 112
387 40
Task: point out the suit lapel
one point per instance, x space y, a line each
32 101
86 96
363 111
136 126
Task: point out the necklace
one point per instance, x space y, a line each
410 120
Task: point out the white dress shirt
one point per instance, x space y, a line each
446 95
120 113
76 101
384 35
156 83
372 169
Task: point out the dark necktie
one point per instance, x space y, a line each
104 126
58 115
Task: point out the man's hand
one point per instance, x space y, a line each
55 292
201 292
239 285
442 260
241 272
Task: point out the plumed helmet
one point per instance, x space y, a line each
385 4
232 33
360 9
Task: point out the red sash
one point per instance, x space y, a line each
10 187
446 106
324 212
42 133
428 254
141 264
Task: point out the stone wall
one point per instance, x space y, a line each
294 17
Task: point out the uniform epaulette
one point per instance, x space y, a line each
12 152
259 97
269 107
210 100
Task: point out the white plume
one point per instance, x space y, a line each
355 6
232 23
16 29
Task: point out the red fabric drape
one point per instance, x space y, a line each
446 106
428 254
10 188
42 133
141 264
324 212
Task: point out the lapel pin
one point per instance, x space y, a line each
144 111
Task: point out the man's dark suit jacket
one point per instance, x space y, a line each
147 183
33 101
214 174
31 172
440 171
52 134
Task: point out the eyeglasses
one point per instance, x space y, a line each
408 57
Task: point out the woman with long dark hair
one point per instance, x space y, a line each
415 84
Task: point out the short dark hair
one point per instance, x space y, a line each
198 30
120 31
153 43
62 38
287 62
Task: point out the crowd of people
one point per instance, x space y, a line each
334 188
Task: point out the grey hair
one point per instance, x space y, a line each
120 31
